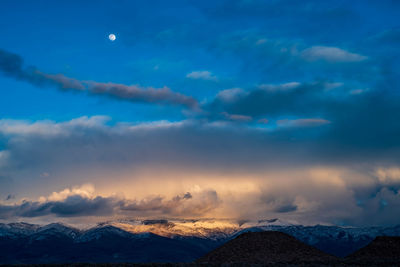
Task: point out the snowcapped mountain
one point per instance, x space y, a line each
13 230
58 243
103 231
56 229
207 229
162 240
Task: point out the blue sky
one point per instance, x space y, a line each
158 44
245 88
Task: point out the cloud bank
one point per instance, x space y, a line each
82 201
292 172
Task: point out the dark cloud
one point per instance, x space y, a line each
381 208
187 195
346 135
287 208
211 145
137 94
187 204
274 202
76 205
306 99
11 65
9 197
366 120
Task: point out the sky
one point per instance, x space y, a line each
239 109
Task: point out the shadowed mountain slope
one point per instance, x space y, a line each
56 243
265 248
382 248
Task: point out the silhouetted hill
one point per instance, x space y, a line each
265 248
381 249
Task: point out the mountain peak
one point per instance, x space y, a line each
103 231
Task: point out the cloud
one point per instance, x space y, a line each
309 122
188 204
306 195
72 206
47 127
357 91
11 65
3 158
347 111
230 95
296 99
382 208
82 201
254 174
263 121
96 143
286 208
85 191
61 81
138 94
9 197
388 175
201 75
279 87
237 117
331 54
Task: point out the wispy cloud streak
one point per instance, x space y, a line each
11 65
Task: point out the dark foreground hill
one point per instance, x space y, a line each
265 248
381 249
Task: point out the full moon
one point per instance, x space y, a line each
112 37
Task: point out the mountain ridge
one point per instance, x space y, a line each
188 239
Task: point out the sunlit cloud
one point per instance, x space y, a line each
82 201
388 175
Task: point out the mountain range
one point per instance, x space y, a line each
162 240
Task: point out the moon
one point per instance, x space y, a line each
112 37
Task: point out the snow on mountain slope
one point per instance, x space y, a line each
103 231
206 228
58 229
209 229
13 230
336 240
